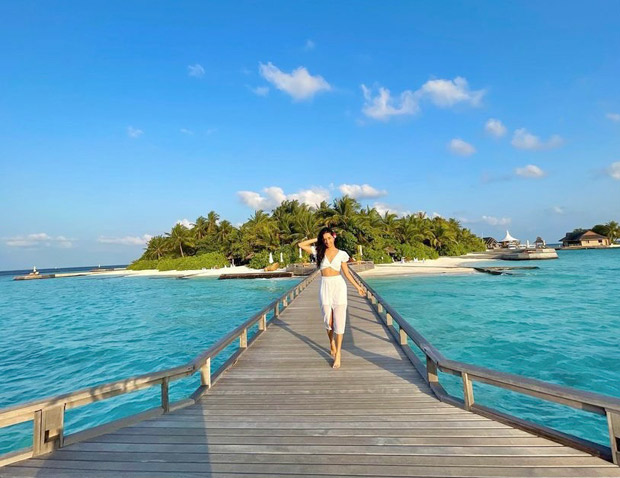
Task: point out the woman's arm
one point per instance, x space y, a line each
305 245
347 274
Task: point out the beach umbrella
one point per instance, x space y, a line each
270 258
281 258
300 252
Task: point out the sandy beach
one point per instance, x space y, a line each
443 265
189 273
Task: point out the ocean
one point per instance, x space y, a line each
60 335
559 323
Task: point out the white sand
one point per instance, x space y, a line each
192 273
443 265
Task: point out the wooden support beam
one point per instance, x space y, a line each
165 397
205 373
402 337
468 391
48 430
431 371
613 421
388 319
243 339
262 323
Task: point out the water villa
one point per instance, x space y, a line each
584 240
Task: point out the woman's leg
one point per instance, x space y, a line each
339 319
330 334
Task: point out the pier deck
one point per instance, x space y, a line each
281 410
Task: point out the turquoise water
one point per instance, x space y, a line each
61 335
560 324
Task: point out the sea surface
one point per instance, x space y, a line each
560 324
61 335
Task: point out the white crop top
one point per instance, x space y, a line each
336 262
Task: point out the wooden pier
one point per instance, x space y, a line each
276 408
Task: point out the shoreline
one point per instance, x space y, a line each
460 265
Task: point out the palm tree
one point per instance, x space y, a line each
200 228
180 237
613 231
212 221
157 247
345 213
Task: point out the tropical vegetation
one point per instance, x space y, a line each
383 237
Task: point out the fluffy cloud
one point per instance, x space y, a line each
460 147
127 240
446 93
383 208
530 171
260 90
558 209
300 84
383 106
197 71
273 196
613 117
185 223
361 191
496 221
40 239
134 132
523 139
495 128
614 170
309 45
442 93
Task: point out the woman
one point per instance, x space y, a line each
333 290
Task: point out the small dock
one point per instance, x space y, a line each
276 408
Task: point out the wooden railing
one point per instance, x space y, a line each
595 403
48 413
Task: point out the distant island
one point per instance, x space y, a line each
213 243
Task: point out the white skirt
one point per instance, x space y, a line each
333 301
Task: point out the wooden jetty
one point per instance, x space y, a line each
276 408
257 275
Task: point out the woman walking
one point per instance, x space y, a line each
333 289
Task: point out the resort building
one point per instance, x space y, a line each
509 241
587 238
540 243
491 243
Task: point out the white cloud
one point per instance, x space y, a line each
495 128
460 147
300 84
530 171
523 139
309 45
613 117
197 71
188 132
260 90
496 221
134 132
273 196
127 240
383 106
361 191
39 239
446 93
558 209
383 208
185 222
614 170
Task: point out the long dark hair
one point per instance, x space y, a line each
320 245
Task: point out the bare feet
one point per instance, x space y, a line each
336 361
332 346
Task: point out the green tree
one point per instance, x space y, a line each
180 237
156 248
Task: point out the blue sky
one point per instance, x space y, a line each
118 119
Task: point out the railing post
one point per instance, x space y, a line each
276 310
48 430
388 319
613 420
165 398
402 337
205 374
262 322
468 391
380 308
431 371
243 339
